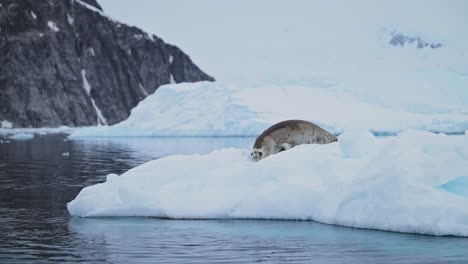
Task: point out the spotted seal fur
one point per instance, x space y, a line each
287 134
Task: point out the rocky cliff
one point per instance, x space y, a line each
64 62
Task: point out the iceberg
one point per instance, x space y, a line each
396 184
217 109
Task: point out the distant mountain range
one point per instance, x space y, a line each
64 62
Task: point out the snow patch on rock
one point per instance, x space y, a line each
53 26
101 120
6 124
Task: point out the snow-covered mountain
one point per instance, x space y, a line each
308 42
65 62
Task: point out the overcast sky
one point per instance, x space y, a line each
253 39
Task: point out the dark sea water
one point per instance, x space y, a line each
39 176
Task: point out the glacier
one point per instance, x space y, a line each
217 109
399 184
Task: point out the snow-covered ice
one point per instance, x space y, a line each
217 109
198 109
399 186
357 143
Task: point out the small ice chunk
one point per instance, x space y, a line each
33 15
91 50
170 59
53 26
22 136
66 154
357 143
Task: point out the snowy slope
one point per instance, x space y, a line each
215 109
402 184
306 41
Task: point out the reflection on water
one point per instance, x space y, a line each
37 180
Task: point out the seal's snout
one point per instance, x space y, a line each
256 155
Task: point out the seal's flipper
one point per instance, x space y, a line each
284 146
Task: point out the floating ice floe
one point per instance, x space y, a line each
402 184
40 131
22 136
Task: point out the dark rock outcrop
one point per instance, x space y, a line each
402 40
63 62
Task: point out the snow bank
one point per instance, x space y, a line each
216 109
396 187
357 143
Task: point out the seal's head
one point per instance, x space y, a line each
257 154
263 147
